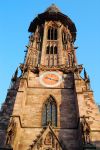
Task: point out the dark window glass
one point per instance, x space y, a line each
52 34
55 50
47 50
49 34
52 31
44 115
51 50
54 112
55 34
49 112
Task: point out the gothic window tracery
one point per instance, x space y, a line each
51 49
48 139
64 37
49 114
11 132
55 50
52 33
47 50
51 52
85 129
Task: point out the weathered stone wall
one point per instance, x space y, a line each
28 112
6 111
88 107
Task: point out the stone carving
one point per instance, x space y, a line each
87 80
11 132
85 128
35 70
68 52
33 50
31 37
47 141
39 144
64 38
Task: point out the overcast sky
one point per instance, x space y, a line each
15 18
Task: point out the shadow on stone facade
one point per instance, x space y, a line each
70 128
6 125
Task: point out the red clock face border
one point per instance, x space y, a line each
50 79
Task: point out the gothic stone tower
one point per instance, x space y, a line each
50 106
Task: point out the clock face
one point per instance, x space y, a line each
50 79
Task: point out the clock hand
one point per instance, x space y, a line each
47 78
51 79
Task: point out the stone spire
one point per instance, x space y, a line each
15 75
87 80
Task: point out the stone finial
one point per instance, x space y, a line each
87 80
52 8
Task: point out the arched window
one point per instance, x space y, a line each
49 32
51 55
55 50
52 33
49 114
47 50
51 50
55 34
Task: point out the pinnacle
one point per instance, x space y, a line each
52 8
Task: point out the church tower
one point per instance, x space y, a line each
50 106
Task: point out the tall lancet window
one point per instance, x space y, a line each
52 33
52 47
49 114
